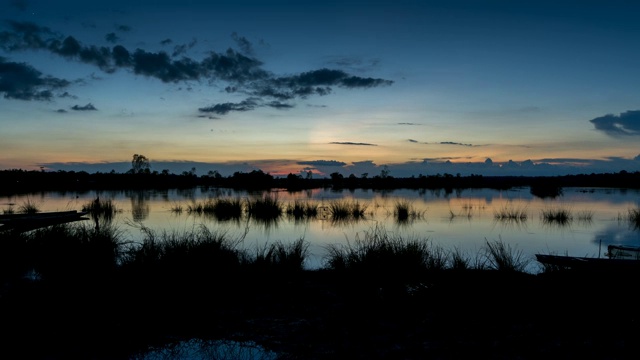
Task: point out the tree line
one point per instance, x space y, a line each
140 176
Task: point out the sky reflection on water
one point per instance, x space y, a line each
463 220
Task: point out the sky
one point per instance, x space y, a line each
404 87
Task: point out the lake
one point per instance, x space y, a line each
464 220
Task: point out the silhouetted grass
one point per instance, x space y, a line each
267 207
100 209
511 214
302 209
500 256
28 207
346 210
380 253
560 216
198 251
281 256
227 208
405 212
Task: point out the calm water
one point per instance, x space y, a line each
463 220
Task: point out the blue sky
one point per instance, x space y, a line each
411 87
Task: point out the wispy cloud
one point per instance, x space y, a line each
322 163
351 143
625 124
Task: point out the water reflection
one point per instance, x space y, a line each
139 205
453 219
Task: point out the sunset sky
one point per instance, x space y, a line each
356 87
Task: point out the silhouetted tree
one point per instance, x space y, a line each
140 164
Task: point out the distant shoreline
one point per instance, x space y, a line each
22 181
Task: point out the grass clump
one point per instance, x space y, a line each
405 212
300 210
380 253
266 207
281 256
227 208
100 209
511 214
500 256
344 210
28 207
559 216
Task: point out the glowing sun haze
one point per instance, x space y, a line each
414 87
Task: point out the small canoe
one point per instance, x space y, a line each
26 222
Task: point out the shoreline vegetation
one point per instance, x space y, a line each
23 181
80 290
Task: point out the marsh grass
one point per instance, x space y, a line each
28 207
302 209
346 210
585 216
101 209
382 254
197 251
227 208
501 256
267 207
77 250
405 212
281 256
559 216
511 214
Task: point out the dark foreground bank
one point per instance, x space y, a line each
74 291
327 315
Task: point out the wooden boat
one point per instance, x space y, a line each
26 222
618 257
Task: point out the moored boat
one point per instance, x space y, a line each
26 222
618 257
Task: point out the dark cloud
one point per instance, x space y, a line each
407 123
279 105
23 82
123 28
224 108
61 111
330 77
88 107
25 35
351 143
166 42
243 73
322 163
626 124
413 141
112 38
160 66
